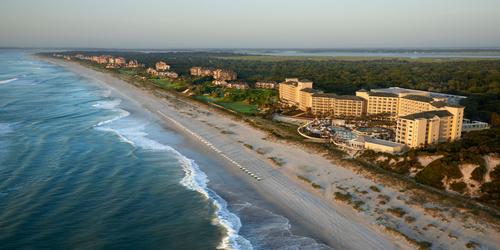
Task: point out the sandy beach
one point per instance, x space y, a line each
237 159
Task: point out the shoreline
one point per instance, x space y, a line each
309 210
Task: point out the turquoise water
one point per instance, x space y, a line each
81 169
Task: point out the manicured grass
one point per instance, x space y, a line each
129 72
240 107
167 84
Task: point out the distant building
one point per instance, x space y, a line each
133 64
266 85
237 85
469 125
120 61
200 71
224 74
152 71
162 66
219 82
169 74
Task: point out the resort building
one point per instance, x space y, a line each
169 74
327 104
380 102
152 71
452 99
224 74
426 128
219 82
295 92
469 125
385 146
237 85
162 66
200 71
289 91
266 85
133 64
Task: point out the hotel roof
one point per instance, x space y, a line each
309 90
382 94
427 115
418 98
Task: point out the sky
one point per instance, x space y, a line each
164 24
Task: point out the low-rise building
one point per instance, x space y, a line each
152 71
169 74
224 74
162 66
219 82
237 85
266 85
385 146
200 71
133 64
469 125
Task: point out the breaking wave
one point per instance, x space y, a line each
8 80
133 133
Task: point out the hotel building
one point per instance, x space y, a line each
426 128
380 103
295 92
422 117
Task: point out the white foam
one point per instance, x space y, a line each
111 104
197 180
7 80
194 179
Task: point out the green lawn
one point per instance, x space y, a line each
167 84
129 72
240 107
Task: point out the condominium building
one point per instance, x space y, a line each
161 66
224 74
200 71
469 125
266 85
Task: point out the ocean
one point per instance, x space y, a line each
80 168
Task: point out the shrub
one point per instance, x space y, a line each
458 186
478 173
375 189
343 197
434 173
396 211
495 174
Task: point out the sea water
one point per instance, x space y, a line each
78 169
